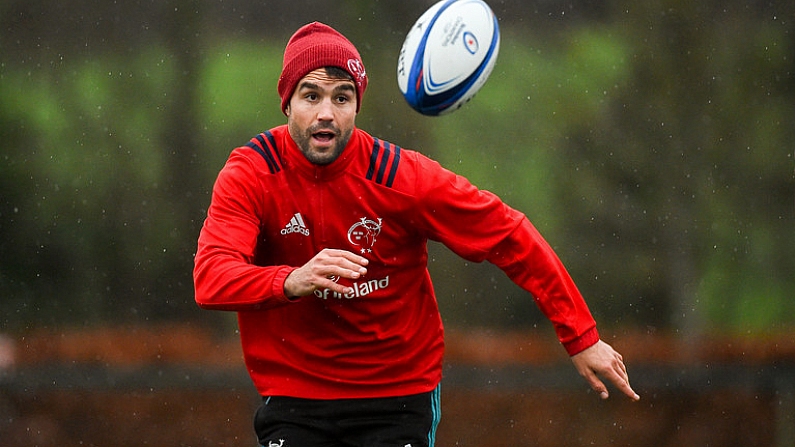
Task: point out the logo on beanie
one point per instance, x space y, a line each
356 69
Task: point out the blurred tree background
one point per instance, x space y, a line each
650 142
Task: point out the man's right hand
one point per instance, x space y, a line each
319 272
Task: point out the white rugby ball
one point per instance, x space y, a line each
448 55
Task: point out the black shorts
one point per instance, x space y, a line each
405 421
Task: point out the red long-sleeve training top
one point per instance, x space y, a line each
272 211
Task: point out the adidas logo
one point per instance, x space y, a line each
296 225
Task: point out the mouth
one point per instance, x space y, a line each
324 136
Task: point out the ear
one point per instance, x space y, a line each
287 110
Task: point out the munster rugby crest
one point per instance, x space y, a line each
364 233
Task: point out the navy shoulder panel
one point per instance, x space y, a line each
384 162
265 145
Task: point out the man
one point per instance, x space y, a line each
316 236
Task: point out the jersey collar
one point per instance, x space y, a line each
295 158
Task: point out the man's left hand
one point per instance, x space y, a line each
602 360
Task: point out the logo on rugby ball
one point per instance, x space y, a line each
470 42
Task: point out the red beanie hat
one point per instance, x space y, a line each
316 46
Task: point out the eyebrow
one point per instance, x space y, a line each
346 87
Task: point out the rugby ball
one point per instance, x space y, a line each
448 55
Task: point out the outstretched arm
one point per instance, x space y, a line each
602 360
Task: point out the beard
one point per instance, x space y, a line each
324 156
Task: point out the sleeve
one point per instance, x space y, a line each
224 275
478 226
531 263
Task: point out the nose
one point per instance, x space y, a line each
325 110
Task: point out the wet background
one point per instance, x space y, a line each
650 143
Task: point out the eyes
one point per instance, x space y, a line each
338 98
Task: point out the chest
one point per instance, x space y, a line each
301 217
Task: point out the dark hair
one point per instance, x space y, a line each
338 73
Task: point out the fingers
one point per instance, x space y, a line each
600 359
340 263
597 385
626 389
619 377
323 271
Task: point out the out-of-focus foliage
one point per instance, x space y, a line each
651 145
655 153
85 226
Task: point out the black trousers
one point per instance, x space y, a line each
404 421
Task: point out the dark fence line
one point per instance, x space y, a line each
662 386
650 377
182 386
